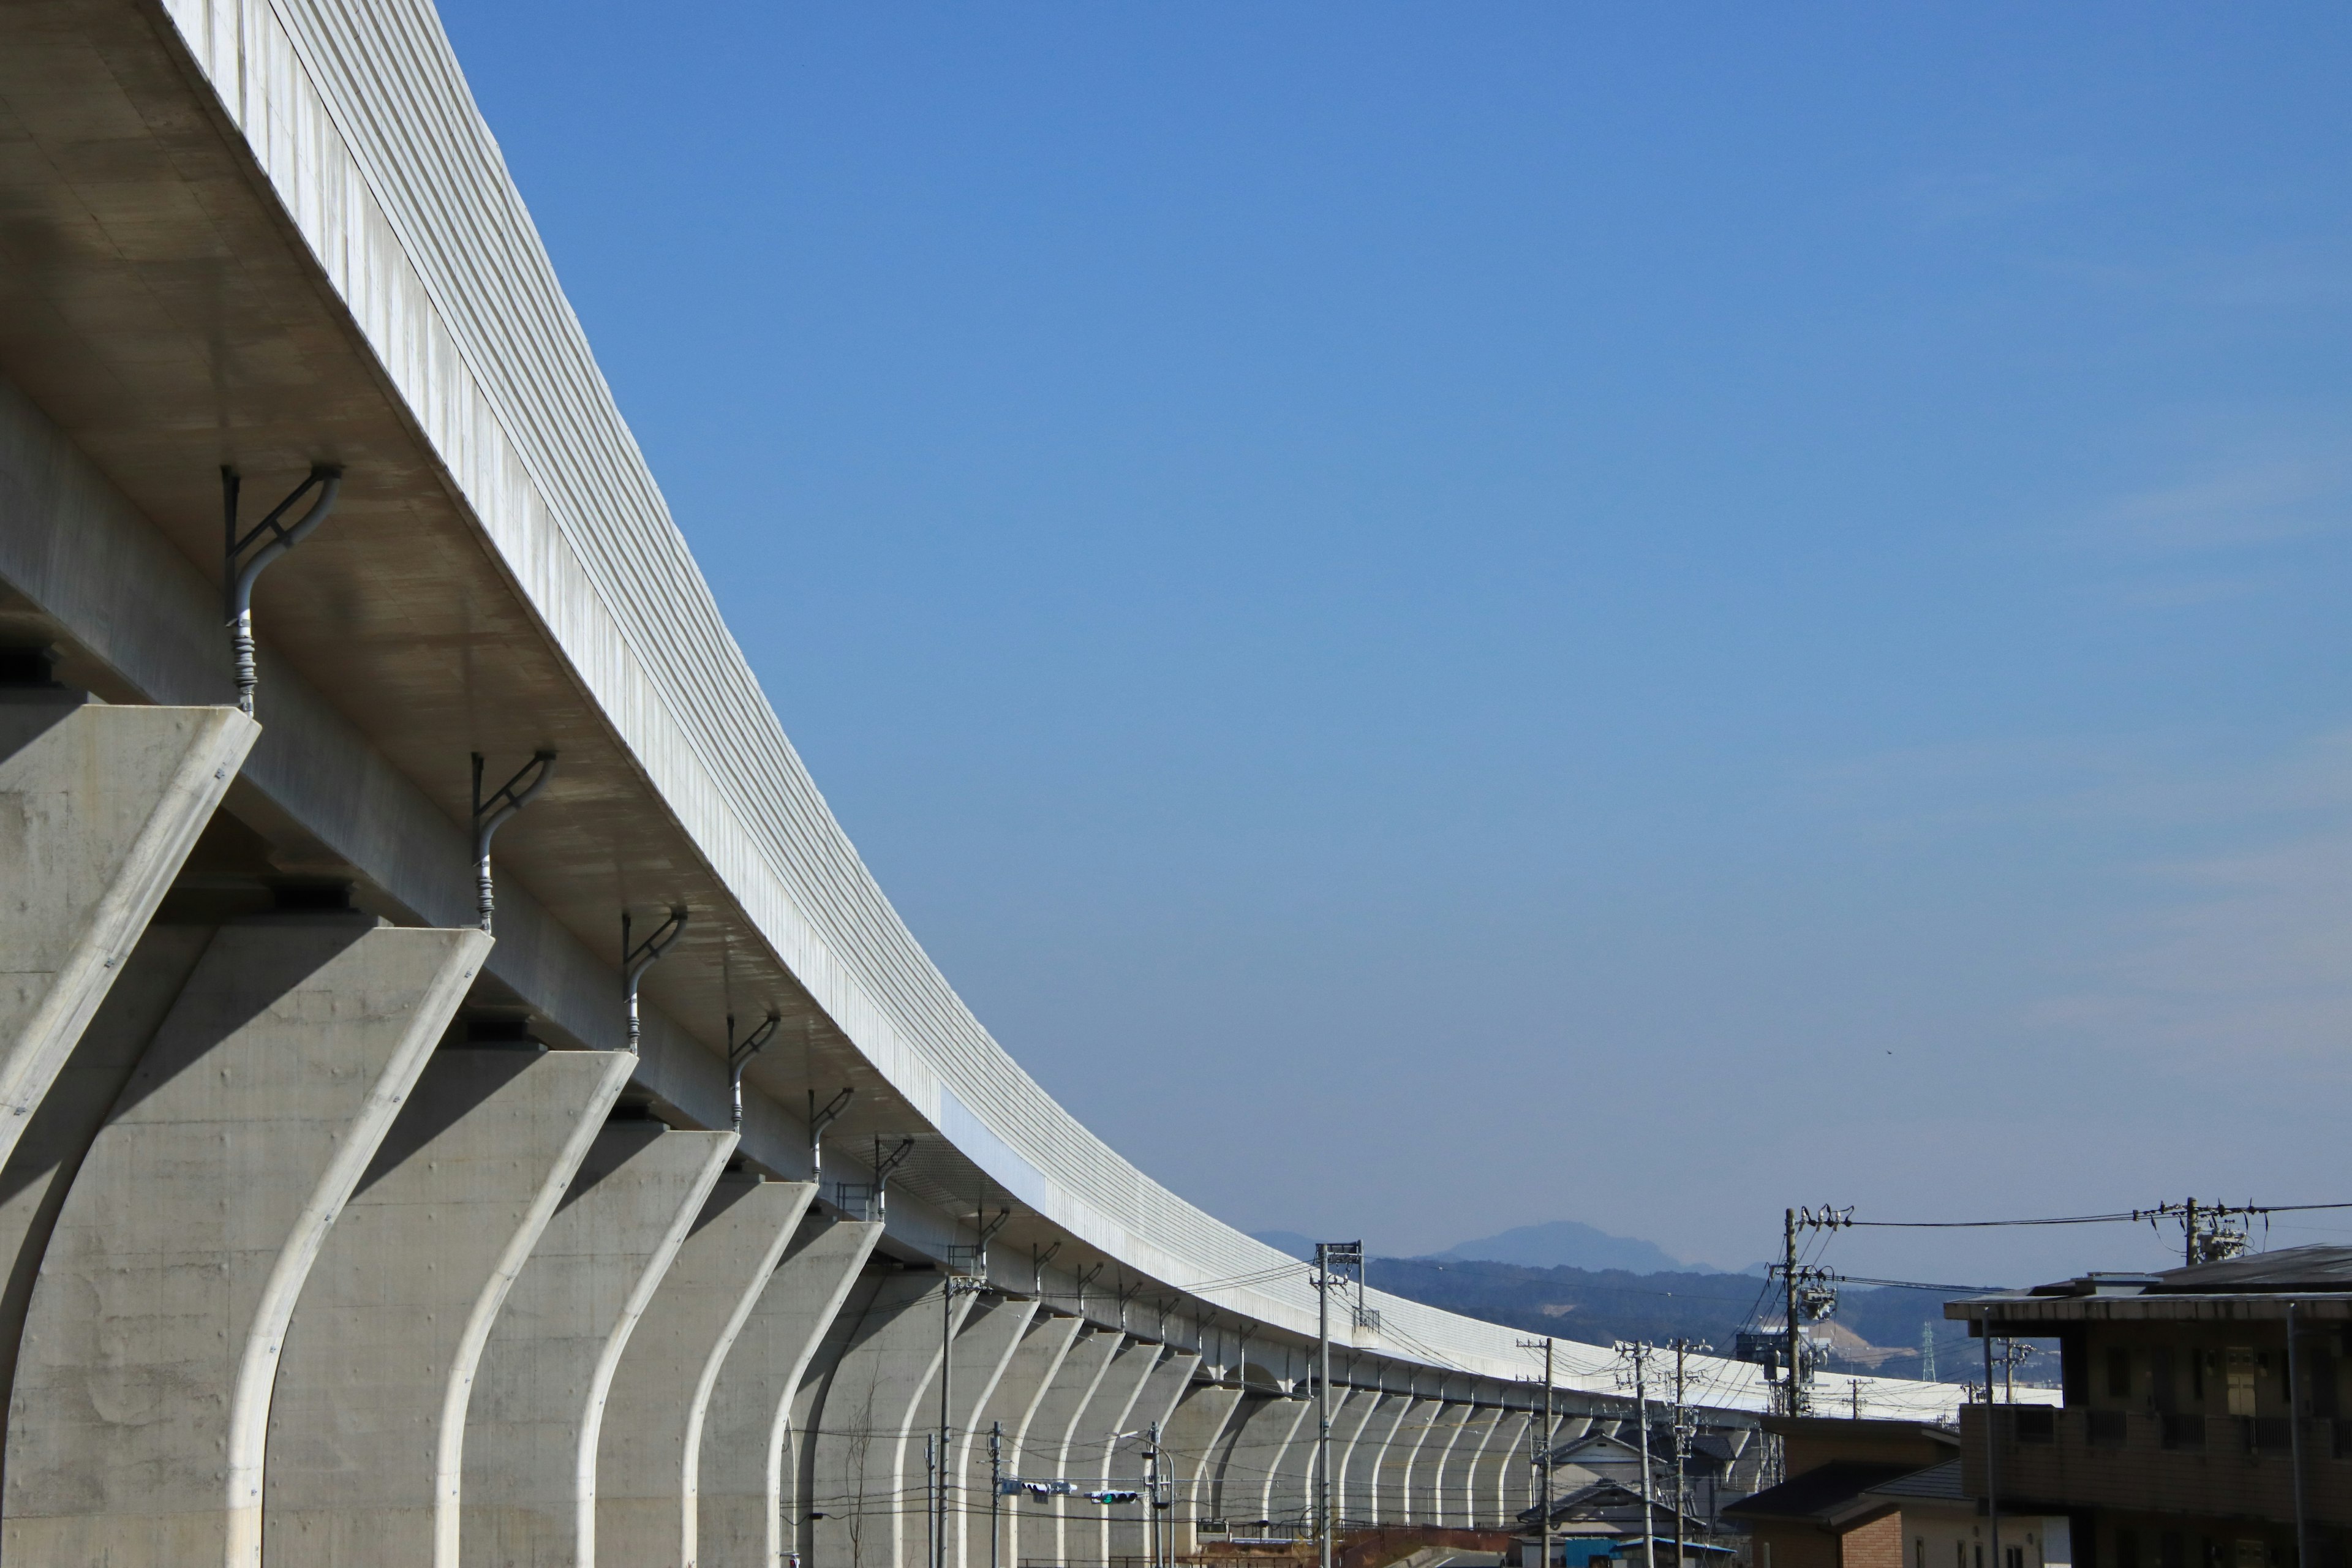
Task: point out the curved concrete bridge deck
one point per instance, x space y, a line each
340 1232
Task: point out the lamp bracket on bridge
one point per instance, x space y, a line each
245 556
740 1054
491 812
635 960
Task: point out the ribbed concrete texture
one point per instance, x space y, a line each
1035 1528
1130 1533
647 1469
1394 1479
532 1425
1097 1454
1004 1425
99 805
41 1168
739 1513
138 1424
984 1347
865 1476
1359 1492
367 1428
1190 1443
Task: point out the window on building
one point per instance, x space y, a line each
2241 1380
2118 1373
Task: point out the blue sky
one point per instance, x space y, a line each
1453 616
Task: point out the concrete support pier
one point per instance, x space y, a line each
367 1429
99 807
1020 1389
984 1348
1036 1529
744 1455
648 1457
1190 1443
1085 1526
866 1477
1130 1528
532 1425
137 1427
1246 1493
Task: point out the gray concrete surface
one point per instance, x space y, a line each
648 1472
533 1424
1021 1387
138 1423
1129 1533
1095 1450
1245 1488
368 1424
1054 1427
984 1347
1359 1490
1192 1440
743 1494
1414 1428
99 807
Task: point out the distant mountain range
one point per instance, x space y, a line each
1560 1244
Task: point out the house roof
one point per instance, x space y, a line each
1939 1483
1821 1495
2256 1285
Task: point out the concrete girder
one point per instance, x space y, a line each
99 807
139 1421
649 1450
533 1423
740 1513
368 1424
865 1494
1129 1532
1189 1442
1020 1390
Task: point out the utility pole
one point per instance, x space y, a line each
995 1489
1992 1452
1684 1428
1640 1351
931 1494
1329 1255
1795 1376
2188 1234
1927 1351
1542 1455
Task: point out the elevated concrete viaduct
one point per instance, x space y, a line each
343 1225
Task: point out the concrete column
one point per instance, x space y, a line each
648 1470
1502 1459
1291 1495
1020 1390
1454 1482
1095 1452
1130 1528
138 1426
985 1349
1347 1430
1190 1441
40 1170
532 1425
866 1477
1247 1495
99 807
368 1424
1392 1482
1359 1490
1425 1489
740 1513
1033 1527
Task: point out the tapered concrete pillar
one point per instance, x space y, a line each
1461 1457
99 807
1130 1528
367 1430
138 1426
1246 1495
1502 1459
1346 1430
40 1170
1191 1441
1098 1455
1034 1527
985 1349
865 1476
648 1472
1392 1480
1359 1491
1020 1391
1424 1493
1291 1497
537 1406
740 1513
